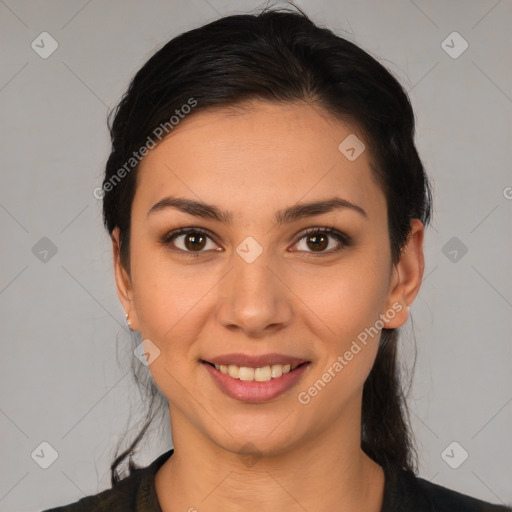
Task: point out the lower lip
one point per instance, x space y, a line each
255 391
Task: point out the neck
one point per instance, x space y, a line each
327 472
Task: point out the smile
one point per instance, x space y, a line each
260 374
260 384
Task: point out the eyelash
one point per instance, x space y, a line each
341 238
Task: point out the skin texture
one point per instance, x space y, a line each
293 299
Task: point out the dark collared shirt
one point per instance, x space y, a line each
403 492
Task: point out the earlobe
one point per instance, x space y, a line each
408 276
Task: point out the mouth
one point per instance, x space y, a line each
255 379
256 374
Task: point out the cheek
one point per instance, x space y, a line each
347 297
169 298
343 307
171 304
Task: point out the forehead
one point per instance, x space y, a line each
258 155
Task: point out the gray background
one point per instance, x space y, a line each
65 365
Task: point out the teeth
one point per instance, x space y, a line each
276 371
246 373
262 374
232 371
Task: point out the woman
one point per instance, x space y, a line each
267 206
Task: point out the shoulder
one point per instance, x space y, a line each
420 495
120 497
135 492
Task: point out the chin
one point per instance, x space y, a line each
268 435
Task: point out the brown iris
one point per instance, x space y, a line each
319 241
195 241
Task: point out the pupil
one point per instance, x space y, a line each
197 241
316 243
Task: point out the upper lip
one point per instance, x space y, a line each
248 361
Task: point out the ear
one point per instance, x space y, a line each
123 281
406 278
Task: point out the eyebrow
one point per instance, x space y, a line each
285 216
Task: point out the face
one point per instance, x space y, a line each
261 278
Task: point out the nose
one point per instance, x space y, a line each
254 299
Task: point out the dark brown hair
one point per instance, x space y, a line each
282 56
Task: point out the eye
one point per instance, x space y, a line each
191 241
317 239
194 241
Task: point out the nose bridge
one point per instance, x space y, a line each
253 299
